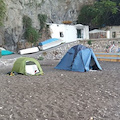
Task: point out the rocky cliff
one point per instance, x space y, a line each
57 11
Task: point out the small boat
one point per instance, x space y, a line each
49 43
28 50
6 52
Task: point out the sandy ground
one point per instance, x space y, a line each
61 95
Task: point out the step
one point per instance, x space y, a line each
114 57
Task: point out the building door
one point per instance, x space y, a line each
113 34
79 35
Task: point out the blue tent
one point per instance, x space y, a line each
79 58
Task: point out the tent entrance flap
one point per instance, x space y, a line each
31 68
93 65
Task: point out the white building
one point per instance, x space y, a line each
69 33
114 31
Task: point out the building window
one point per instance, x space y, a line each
79 35
113 34
61 34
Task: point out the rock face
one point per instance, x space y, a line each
57 11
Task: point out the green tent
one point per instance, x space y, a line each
27 66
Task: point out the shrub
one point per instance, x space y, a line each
44 53
89 42
31 35
42 19
27 22
41 58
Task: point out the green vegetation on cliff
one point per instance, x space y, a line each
2 11
100 14
42 19
31 33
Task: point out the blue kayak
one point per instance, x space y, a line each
6 52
